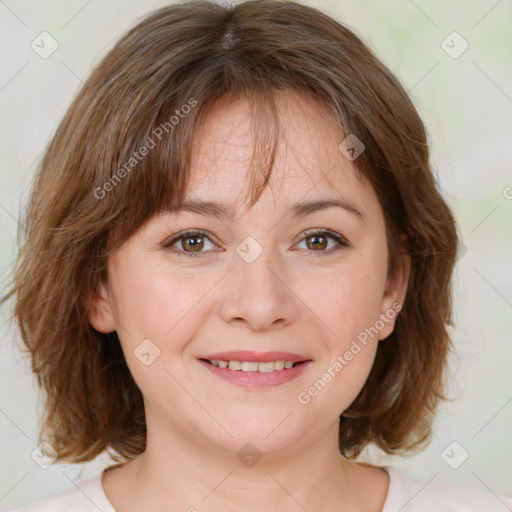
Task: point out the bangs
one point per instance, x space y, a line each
150 103
152 173
123 153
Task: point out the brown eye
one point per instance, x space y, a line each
192 243
189 243
317 242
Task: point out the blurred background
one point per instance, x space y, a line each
454 60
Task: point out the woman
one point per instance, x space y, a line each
257 268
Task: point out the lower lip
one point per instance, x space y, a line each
257 379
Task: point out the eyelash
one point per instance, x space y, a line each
190 233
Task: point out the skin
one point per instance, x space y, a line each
293 297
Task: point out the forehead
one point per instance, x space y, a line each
307 155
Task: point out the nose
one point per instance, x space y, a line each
259 294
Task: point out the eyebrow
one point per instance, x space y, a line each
221 211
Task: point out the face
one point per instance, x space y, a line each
309 282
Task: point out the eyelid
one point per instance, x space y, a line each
324 231
169 242
340 239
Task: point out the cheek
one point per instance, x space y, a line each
351 307
348 301
158 312
153 300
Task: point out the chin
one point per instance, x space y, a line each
272 433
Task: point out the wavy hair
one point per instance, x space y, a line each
90 194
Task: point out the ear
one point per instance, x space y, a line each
100 312
394 295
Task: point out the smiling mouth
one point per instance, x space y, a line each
253 366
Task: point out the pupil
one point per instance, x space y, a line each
194 242
317 241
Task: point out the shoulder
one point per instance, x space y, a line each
410 494
86 496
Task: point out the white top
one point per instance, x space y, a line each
405 494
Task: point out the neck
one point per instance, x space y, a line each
178 473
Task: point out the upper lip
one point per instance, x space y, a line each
258 357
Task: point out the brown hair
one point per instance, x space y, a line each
83 206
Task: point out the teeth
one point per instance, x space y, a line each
279 365
252 366
266 367
248 366
234 365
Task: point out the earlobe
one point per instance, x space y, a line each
100 312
